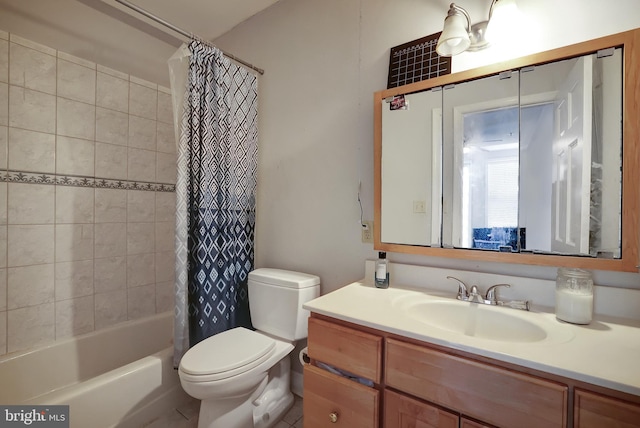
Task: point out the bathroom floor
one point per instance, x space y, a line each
186 416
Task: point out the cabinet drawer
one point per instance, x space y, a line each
497 396
325 394
357 352
598 411
401 411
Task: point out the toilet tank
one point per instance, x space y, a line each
276 297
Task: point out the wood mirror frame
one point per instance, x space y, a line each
630 238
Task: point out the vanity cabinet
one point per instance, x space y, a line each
593 410
402 411
492 394
417 384
335 401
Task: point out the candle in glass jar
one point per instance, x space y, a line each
574 307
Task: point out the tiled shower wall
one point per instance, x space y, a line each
87 202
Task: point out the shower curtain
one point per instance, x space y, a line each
216 103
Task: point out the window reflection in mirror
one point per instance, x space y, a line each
480 163
490 179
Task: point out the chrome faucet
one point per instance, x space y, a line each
474 296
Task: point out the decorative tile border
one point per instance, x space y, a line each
81 181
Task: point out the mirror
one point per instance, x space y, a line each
519 162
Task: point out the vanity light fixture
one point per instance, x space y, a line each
458 35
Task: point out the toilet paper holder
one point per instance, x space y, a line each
303 356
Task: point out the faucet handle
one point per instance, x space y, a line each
491 293
463 293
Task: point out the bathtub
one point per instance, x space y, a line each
119 376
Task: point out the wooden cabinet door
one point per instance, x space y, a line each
492 394
332 401
355 351
468 423
598 411
401 411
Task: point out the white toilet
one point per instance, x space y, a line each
243 376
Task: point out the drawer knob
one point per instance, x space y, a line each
333 417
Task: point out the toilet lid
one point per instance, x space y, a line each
228 353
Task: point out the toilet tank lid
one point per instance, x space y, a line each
284 278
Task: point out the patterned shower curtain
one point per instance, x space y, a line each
215 197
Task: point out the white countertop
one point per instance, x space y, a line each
605 352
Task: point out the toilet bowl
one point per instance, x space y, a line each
242 377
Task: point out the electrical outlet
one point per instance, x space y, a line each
367 232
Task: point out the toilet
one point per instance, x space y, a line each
241 376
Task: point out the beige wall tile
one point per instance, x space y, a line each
76 82
3 203
30 245
75 156
165 108
74 204
140 238
74 242
166 168
4 61
31 203
30 286
110 308
73 279
141 270
31 151
141 165
165 233
111 205
32 69
4 104
165 266
74 316
4 146
112 126
3 289
140 206
165 298
3 332
165 138
141 301
76 119
3 246
112 92
166 206
32 110
110 274
111 240
142 133
143 101
30 327
111 161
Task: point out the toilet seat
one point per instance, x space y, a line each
226 354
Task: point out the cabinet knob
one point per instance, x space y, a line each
333 417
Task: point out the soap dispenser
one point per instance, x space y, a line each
382 271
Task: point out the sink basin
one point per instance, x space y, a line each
484 321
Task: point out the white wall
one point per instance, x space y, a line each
323 61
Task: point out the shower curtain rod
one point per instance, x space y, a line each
184 33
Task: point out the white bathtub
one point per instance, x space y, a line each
119 376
